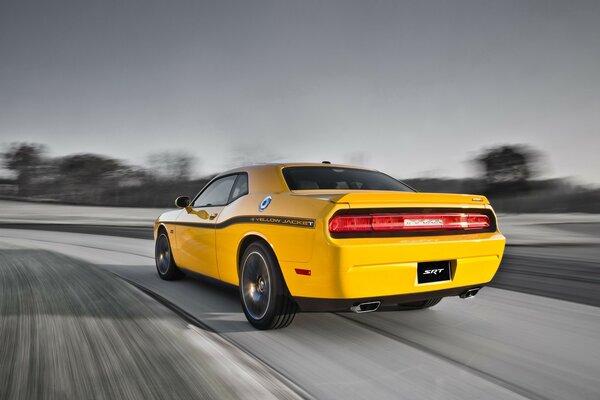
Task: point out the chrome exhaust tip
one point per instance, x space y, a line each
369 306
467 294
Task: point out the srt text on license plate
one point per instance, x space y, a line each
436 271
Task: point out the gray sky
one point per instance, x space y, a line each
409 87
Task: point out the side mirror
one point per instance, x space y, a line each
203 214
182 202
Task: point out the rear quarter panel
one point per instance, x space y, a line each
292 245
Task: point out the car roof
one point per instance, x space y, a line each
267 177
290 164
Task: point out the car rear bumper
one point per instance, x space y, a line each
359 269
311 304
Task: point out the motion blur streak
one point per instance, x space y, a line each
502 344
74 331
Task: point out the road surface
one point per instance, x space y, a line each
502 344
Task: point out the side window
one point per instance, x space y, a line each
240 188
217 194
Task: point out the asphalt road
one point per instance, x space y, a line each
501 344
137 232
562 272
70 330
539 270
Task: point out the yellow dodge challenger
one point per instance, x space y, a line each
323 237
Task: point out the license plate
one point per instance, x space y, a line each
436 271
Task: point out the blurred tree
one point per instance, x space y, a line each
23 159
507 168
251 154
86 178
86 169
358 158
172 165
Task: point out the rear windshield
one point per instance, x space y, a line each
333 178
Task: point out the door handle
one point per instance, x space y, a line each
213 216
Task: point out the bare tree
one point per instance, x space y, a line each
508 167
86 177
88 169
174 165
23 159
358 158
252 154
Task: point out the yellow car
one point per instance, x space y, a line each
323 237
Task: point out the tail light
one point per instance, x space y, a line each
351 223
408 222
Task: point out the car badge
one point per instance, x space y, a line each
265 203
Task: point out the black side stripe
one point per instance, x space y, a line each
253 219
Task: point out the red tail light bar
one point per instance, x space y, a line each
408 222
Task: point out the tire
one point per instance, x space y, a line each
418 305
265 298
163 256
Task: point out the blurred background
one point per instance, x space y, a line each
108 103
113 104
510 175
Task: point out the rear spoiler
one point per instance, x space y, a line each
405 198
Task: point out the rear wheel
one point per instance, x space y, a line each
265 298
165 264
418 305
